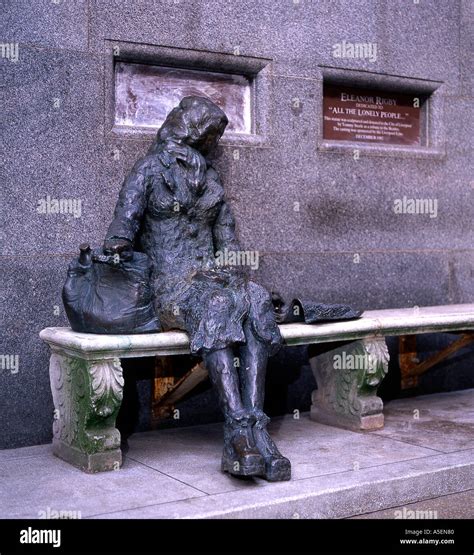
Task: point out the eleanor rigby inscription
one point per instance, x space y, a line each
363 115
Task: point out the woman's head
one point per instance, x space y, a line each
197 122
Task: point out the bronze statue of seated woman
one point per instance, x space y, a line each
172 208
170 221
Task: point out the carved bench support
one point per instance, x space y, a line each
87 395
347 377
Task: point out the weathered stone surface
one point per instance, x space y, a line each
316 449
50 24
431 425
372 323
87 396
28 493
337 473
347 379
344 481
455 506
466 45
329 496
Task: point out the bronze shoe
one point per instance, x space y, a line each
240 456
277 467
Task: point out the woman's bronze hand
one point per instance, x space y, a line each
120 246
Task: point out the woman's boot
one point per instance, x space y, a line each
241 457
277 467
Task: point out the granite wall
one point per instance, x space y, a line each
321 219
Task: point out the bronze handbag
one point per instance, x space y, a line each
110 295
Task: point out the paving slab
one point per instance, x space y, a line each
192 455
30 486
444 421
24 452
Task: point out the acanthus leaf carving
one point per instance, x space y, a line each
107 386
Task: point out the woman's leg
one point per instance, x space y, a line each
252 370
224 378
240 456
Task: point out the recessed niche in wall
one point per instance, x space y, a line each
143 82
381 115
145 94
371 115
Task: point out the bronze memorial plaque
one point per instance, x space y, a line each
363 115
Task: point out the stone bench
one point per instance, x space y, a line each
87 380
